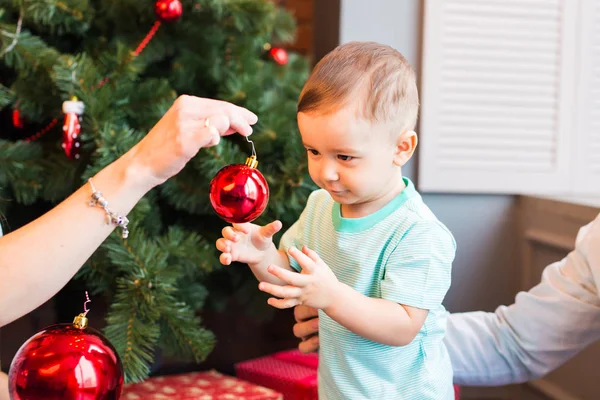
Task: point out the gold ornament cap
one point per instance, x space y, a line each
80 321
251 161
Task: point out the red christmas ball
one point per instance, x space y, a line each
239 193
66 362
168 10
17 119
279 55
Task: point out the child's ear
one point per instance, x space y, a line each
406 145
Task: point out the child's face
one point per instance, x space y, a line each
354 160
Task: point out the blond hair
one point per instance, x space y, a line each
375 78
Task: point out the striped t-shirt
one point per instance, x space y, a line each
401 253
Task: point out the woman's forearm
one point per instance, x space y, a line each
3 386
62 240
37 260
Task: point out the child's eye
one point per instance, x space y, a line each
313 152
345 158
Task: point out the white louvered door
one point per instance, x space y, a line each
497 90
586 174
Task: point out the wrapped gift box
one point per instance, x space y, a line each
290 372
209 385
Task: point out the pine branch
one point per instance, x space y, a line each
133 329
148 102
151 283
38 102
98 275
76 75
216 7
98 272
147 215
6 96
284 27
186 194
29 53
120 65
192 293
20 170
133 319
61 16
59 177
253 18
182 332
188 252
111 143
210 160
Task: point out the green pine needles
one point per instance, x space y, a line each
158 280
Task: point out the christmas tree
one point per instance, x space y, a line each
127 61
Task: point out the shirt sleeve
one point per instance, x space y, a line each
544 328
418 271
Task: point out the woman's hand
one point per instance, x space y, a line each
190 124
307 328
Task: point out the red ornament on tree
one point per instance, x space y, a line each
168 10
73 111
66 362
17 119
279 55
239 192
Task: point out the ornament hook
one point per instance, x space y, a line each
87 300
253 149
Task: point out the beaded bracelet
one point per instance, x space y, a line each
111 217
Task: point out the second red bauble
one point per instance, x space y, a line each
239 192
168 10
66 362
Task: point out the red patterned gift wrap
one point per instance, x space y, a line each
290 372
209 385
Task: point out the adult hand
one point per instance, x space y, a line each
307 328
190 124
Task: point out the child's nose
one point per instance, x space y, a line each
329 172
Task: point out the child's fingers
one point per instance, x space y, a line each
307 264
289 277
225 258
283 303
269 230
223 245
280 291
229 233
244 228
311 254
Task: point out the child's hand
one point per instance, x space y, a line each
247 242
315 287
